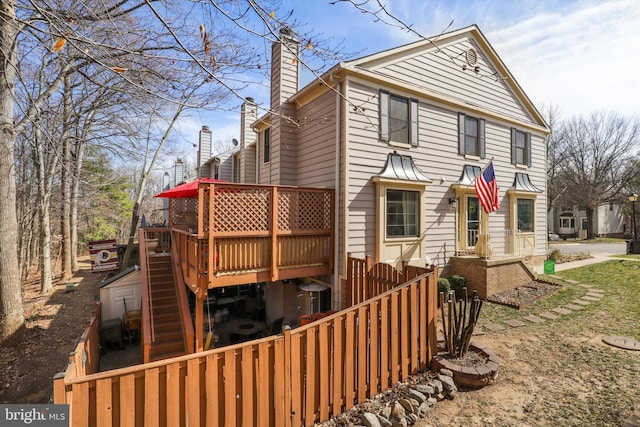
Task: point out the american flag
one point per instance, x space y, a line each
487 189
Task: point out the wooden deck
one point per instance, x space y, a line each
260 234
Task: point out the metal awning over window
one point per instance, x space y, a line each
468 176
400 167
522 183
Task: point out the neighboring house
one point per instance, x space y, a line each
223 166
609 220
401 135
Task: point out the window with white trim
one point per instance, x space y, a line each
520 147
567 222
471 137
403 213
398 119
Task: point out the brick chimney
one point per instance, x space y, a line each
284 84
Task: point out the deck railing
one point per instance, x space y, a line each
164 238
146 307
505 243
183 302
85 357
300 377
259 233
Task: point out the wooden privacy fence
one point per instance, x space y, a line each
365 280
300 377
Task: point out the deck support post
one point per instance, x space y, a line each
199 322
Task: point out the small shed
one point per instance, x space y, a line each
124 286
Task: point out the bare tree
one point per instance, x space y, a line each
11 310
556 153
598 160
150 48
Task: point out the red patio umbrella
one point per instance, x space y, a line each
186 190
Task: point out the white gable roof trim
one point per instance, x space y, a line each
357 68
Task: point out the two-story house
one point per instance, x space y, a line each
401 135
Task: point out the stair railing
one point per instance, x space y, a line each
181 291
147 306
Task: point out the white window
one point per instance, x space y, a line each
471 138
567 222
398 119
403 213
520 147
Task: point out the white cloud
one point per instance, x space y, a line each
581 61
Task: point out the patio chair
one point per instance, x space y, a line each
274 328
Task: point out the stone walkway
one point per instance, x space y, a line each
592 295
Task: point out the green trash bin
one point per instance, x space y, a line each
549 267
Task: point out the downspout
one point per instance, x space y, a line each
344 160
257 180
336 211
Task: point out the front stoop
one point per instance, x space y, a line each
492 275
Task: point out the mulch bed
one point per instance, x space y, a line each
524 295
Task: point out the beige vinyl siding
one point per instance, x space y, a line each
268 171
226 166
435 72
286 144
249 164
437 157
316 142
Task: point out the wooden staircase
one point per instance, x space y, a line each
167 326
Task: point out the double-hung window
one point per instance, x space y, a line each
520 147
525 215
471 139
403 213
266 145
398 119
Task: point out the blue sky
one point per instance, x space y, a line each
578 55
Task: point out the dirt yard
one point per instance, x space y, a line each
54 322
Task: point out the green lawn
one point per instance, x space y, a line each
590 383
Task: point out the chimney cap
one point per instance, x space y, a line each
205 127
286 31
249 99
